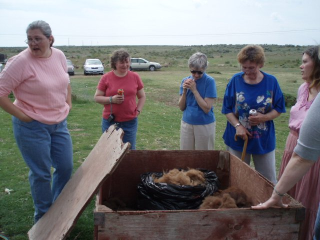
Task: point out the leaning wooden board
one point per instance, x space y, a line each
62 215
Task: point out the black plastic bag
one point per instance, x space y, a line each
163 196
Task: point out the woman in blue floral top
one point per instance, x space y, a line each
253 89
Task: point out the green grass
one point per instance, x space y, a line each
159 123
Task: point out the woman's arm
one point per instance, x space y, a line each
305 154
9 107
141 95
69 97
261 118
241 131
294 171
100 97
183 97
204 104
182 100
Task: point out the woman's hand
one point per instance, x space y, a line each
189 84
7 105
261 118
117 99
26 118
256 119
242 132
273 201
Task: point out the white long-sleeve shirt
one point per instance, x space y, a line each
308 146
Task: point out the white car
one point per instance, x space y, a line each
93 66
143 64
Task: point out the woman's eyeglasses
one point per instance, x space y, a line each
36 41
194 72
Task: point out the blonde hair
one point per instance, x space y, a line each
252 53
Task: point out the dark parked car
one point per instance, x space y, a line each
3 58
70 67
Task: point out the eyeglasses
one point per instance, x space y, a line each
194 72
36 40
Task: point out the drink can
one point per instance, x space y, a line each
253 112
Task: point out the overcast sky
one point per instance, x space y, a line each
164 22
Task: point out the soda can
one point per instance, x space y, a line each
253 112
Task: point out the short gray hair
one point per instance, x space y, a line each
43 26
198 60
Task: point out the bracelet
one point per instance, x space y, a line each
279 194
237 125
110 100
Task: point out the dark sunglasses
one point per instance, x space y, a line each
194 72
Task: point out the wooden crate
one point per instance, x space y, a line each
240 223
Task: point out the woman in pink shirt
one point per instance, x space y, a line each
306 190
40 83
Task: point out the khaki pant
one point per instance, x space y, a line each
263 163
197 137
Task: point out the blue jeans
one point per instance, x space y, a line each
44 146
317 226
129 127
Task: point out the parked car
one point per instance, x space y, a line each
93 66
70 67
1 67
143 64
3 58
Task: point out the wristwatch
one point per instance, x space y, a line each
237 125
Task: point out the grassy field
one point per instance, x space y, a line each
159 123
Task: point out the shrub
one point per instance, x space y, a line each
289 100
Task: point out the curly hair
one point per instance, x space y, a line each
119 55
314 54
252 53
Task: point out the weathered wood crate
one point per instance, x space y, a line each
114 171
240 223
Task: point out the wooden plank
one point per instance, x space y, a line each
77 193
270 224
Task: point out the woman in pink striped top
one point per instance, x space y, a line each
306 190
40 83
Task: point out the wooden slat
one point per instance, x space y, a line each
219 224
75 196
